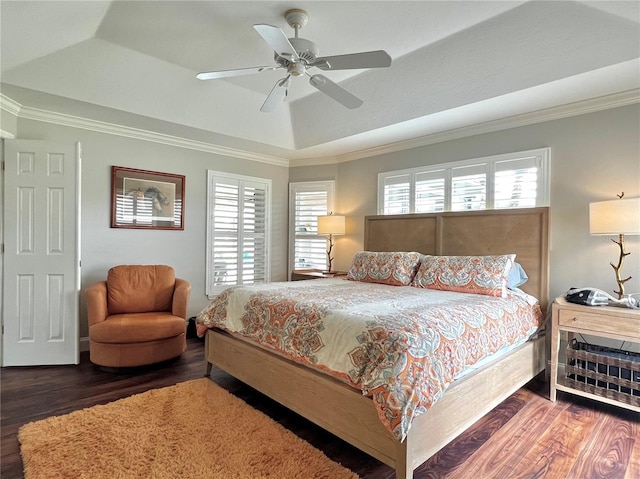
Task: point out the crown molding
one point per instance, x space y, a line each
555 113
9 105
63 119
6 135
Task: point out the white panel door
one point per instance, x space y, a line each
41 253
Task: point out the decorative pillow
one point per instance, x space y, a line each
517 276
394 268
466 274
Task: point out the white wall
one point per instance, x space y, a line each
103 247
593 157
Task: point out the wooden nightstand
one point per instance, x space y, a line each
602 321
302 274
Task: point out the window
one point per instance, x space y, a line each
307 201
430 191
238 210
397 194
469 188
516 183
512 180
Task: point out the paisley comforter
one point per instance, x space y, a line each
400 344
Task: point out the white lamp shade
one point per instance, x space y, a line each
331 225
615 217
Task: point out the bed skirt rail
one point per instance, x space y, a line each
345 412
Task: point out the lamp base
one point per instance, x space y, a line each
617 268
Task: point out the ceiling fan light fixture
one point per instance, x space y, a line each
296 69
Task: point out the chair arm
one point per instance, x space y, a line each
96 295
181 294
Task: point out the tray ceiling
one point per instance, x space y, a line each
455 64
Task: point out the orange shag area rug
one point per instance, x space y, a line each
194 429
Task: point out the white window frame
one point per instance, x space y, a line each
327 186
541 157
218 176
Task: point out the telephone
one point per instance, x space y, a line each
597 297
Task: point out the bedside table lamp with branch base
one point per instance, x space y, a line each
616 217
331 225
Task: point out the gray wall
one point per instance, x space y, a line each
593 157
104 247
8 124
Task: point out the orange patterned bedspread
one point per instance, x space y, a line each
400 344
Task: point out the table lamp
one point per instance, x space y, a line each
330 225
616 217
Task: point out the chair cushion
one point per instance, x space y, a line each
137 328
140 288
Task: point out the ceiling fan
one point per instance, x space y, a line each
297 56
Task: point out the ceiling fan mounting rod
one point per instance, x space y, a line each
296 18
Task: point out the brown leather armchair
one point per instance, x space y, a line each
137 316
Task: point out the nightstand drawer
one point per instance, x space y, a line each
599 322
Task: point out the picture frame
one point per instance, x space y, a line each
143 199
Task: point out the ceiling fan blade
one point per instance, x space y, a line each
277 95
233 73
375 59
335 91
278 41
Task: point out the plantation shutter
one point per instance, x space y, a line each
508 180
237 244
430 191
253 245
397 195
309 247
308 200
469 188
516 183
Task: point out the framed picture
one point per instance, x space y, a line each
146 199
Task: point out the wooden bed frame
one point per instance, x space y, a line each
348 414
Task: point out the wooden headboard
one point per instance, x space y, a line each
524 232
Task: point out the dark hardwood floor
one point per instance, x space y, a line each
524 437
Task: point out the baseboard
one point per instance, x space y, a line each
84 344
